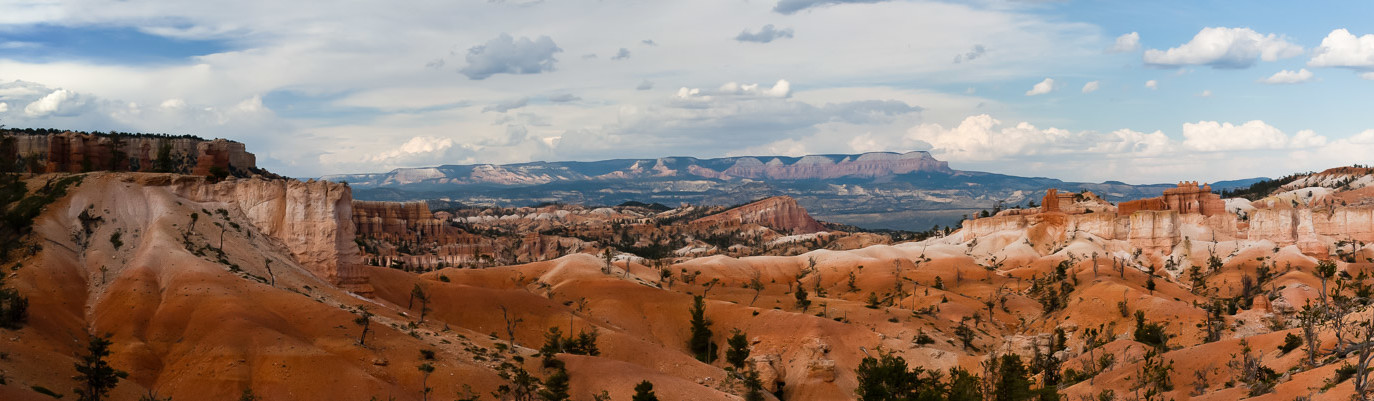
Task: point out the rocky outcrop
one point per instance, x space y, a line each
72 152
780 213
1187 198
312 218
397 221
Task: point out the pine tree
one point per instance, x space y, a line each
1013 381
738 352
556 386
700 342
95 376
644 391
753 387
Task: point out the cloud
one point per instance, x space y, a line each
1041 88
1212 136
1091 87
978 51
507 105
4 107
645 85
1152 84
1342 49
1224 48
1288 77
58 102
622 54
415 146
764 35
1368 75
792 6
984 138
780 89
506 55
1126 43
564 98
1205 93
649 42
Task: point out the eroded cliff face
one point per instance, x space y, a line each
72 152
1313 230
781 213
313 219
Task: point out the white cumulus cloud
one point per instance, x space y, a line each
1126 43
1340 48
1289 77
1212 136
1091 87
52 103
416 145
1152 84
1224 48
1041 88
4 107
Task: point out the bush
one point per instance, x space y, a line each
1290 343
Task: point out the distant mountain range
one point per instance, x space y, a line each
878 190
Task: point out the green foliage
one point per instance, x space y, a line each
753 387
115 240
556 386
1290 343
700 341
164 162
582 344
14 309
1148 333
802 301
888 377
1013 382
873 301
95 376
21 208
644 391
738 352
965 335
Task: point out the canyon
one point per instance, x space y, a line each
209 286
878 190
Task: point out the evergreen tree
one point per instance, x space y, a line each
738 352
1013 382
94 375
556 386
700 342
964 386
644 391
753 387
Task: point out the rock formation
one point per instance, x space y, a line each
781 213
73 152
312 218
1188 197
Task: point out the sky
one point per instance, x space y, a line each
1084 90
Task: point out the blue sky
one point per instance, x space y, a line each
1083 90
